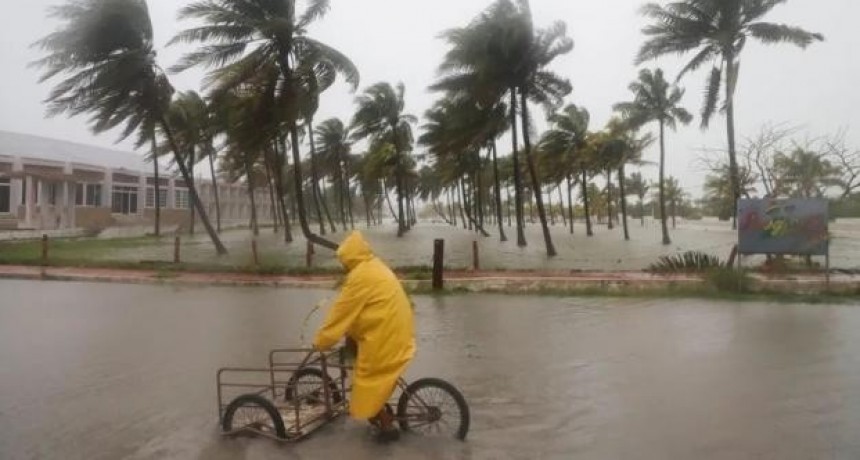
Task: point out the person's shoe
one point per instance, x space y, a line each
387 436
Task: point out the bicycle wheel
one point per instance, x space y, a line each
433 407
254 412
306 385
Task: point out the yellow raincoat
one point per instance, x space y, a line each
374 311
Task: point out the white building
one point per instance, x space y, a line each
50 184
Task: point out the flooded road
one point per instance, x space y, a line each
114 371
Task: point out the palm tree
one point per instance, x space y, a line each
716 30
380 117
566 140
636 185
500 54
805 173
104 50
251 35
332 136
656 100
674 195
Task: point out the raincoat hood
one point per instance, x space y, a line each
354 250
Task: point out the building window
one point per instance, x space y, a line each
52 192
94 195
182 199
89 195
79 194
124 200
5 195
150 197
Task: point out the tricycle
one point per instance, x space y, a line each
293 397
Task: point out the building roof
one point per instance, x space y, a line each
43 148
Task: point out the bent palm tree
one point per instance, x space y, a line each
380 117
717 31
251 35
656 100
104 50
566 141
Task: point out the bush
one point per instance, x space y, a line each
729 280
688 262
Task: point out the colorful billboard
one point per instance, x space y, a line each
796 226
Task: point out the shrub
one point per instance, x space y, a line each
688 262
729 280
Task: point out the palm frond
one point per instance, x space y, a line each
780 33
712 95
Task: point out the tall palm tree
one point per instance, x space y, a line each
380 116
332 136
566 139
104 51
636 185
250 35
654 99
717 31
498 55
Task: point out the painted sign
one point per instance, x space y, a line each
797 226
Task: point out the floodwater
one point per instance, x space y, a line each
115 371
605 251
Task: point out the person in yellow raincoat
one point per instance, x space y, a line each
373 310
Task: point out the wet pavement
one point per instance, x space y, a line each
92 371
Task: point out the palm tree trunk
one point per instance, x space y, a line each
588 230
466 224
192 190
621 191
731 78
498 193
322 194
518 186
341 203
348 192
157 186
315 193
286 69
479 200
508 203
388 200
451 208
270 185
561 204
276 216
191 161
278 169
255 225
367 206
465 209
570 203
536 185
609 198
215 190
666 239
642 209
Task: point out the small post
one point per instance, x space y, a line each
254 251
176 242
438 263
732 256
309 255
476 262
44 249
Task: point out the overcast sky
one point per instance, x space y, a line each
391 40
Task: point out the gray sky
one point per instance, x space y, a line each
398 41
